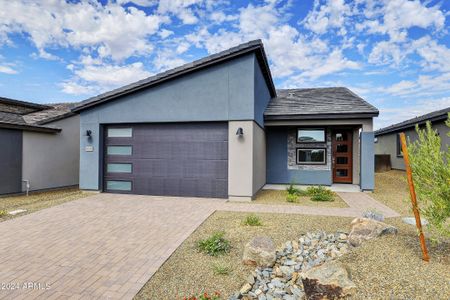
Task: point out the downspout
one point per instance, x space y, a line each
27 185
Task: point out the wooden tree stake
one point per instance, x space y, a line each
413 197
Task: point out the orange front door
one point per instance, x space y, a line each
342 158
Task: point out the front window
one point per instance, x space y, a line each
311 156
307 135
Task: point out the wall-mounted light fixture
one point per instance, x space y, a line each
240 131
89 133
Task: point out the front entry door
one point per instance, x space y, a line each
342 142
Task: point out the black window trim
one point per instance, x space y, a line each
311 163
119 191
312 128
121 145
119 163
120 127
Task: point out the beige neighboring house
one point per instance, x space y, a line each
39 146
387 140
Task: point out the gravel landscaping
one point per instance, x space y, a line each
38 200
279 197
389 267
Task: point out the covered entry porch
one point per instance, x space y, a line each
320 152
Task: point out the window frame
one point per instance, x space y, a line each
119 137
128 146
310 128
119 163
297 150
121 180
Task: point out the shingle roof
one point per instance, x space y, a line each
432 117
255 46
34 116
316 103
56 112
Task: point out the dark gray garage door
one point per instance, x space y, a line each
180 159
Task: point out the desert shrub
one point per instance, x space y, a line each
322 197
221 269
252 220
320 193
431 175
3 213
292 190
215 245
291 197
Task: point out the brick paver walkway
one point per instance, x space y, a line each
108 246
357 202
104 246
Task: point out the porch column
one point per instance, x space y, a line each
367 154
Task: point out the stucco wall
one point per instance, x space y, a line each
10 161
224 92
259 158
367 172
387 144
52 160
277 162
246 160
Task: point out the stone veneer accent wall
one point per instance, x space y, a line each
292 155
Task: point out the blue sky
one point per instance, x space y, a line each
394 53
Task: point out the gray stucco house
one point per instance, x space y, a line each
387 139
39 146
217 127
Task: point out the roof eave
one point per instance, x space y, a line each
258 48
388 130
56 118
285 117
42 129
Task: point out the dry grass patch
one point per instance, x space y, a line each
279 197
391 188
39 200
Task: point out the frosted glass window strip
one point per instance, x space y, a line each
119 150
119 168
120 132
116 185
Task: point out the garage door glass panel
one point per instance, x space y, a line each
119 150
120 132
115 185
118 168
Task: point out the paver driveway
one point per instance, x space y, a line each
103 246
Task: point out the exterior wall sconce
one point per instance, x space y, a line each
89 134
240 132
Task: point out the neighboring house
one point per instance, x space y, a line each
39 145
217 127
387 140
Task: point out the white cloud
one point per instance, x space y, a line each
183 9
95 78
111 29
394 17
7 69
220 17
164 33
330 15
393 115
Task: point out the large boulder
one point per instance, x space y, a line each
330 280
260 251
364 229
